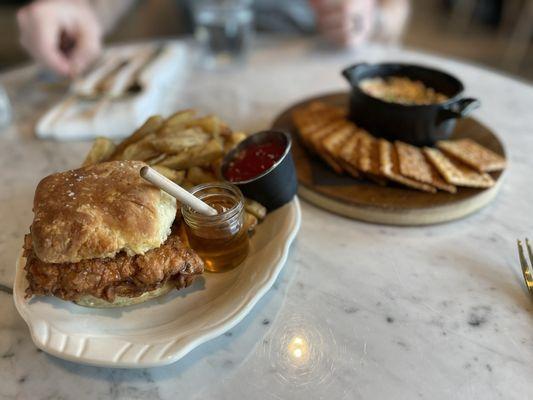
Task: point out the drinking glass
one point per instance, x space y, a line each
223 30
5 108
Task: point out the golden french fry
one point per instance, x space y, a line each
179 176
197 175
172 174
233 140
178 161
172 144
215 168
250 222
186 184
179 130
151 125
156 160
237 137
141 150
255 208
195 156
210 124
100 151
180 117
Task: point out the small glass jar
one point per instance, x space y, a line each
221 240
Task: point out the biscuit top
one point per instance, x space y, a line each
98 211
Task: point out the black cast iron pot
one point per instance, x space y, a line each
420 125
277 185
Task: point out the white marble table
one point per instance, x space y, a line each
401 313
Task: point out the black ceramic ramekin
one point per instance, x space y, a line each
420 125
275 186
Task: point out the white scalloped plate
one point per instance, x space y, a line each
163 330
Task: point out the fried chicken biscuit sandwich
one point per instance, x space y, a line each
104 237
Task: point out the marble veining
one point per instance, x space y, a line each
360 311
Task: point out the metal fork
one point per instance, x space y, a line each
526 269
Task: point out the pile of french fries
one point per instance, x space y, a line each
186 148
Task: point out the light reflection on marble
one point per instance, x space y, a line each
300 350
360 311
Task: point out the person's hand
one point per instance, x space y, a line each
63 35
345 22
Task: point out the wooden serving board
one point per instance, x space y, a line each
392 204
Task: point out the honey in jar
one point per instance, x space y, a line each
221 240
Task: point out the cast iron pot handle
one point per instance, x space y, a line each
347 72
460 108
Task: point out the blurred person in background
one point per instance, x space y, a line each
66 36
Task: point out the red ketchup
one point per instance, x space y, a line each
253 161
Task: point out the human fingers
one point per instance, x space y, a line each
39 36
88 48
88 33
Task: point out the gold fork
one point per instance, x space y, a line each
526 269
